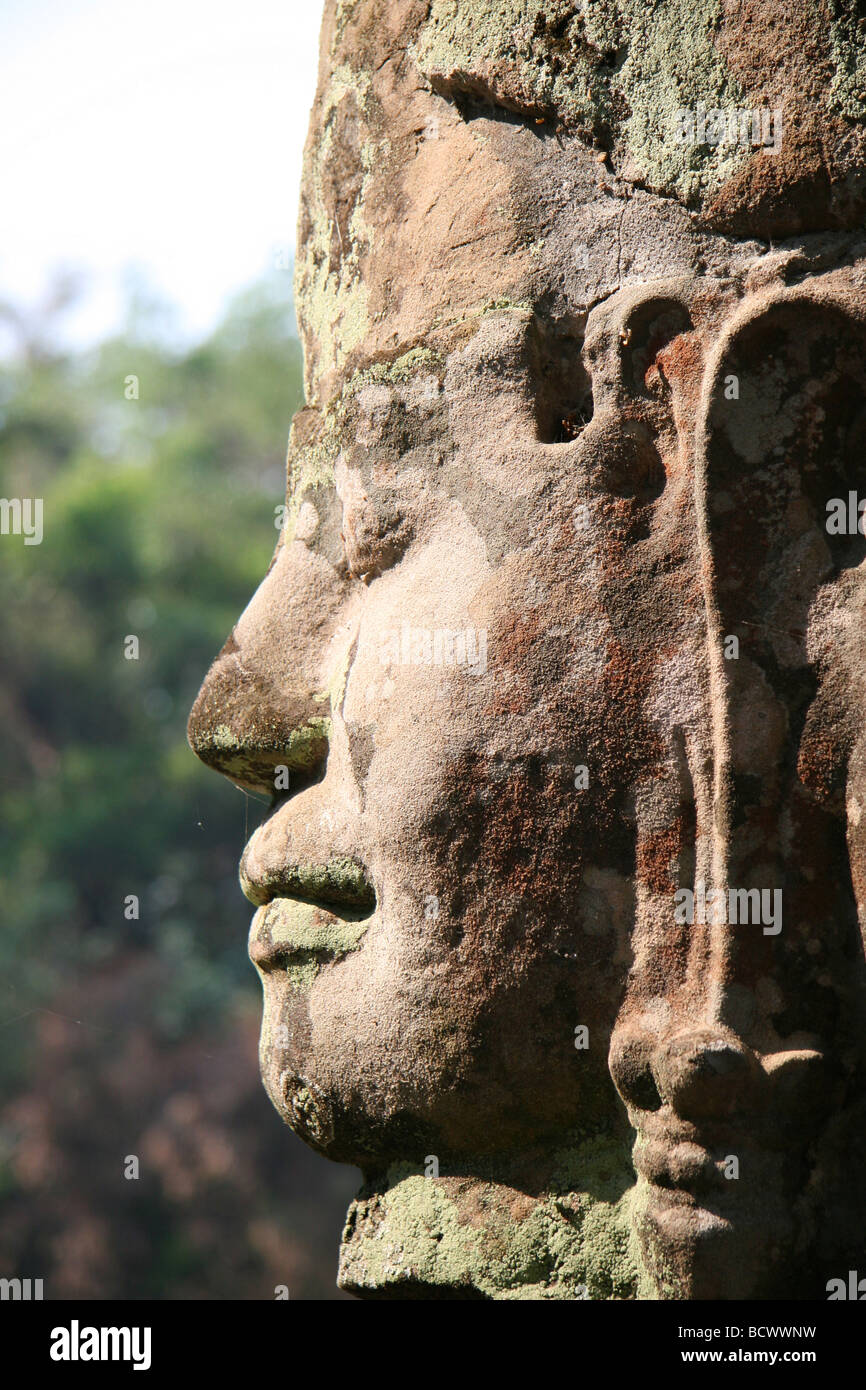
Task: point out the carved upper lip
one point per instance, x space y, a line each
686 1166
339 881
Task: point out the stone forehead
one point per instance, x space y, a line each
617 72
623 74
477 154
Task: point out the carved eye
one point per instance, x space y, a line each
561 386
373 542
375 533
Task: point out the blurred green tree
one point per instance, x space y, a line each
159 523
160 471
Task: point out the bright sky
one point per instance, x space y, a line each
165 136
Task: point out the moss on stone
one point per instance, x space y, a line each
401 370
504 305
621 66
848 51
343 12
305 926
223 737
304 745
241 759
573 1242
673 64
314 935
310 468
305 1110
332 299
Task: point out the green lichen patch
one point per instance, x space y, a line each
303 747
331 296
339 881
244 759
397 372
573 1241
848 51
310 466
339 886
671 63
312 936
617 71
305 927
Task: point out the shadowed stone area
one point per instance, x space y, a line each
556 680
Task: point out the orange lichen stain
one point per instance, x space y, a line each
816 765
680 362
657 856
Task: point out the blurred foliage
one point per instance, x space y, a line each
158 523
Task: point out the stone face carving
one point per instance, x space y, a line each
560 653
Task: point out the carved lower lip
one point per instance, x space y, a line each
684 1167
682 1216
288 930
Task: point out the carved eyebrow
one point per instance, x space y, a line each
573 70
475 96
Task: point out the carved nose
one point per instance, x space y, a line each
704 1074
701 1073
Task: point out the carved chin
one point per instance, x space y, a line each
304 1107
344 1130
708 1244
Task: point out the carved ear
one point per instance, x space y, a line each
784 435
646 363
661 361
647 338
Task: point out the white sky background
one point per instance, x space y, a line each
165 136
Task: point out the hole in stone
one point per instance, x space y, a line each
571 425
644 1093
631 1069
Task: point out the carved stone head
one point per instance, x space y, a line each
556 678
